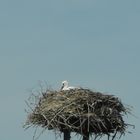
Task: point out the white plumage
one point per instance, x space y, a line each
65 86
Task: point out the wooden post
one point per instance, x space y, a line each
86 136
66 135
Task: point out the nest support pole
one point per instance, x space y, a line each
67 135
86 136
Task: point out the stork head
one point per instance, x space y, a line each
65 83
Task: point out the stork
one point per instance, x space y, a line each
65 86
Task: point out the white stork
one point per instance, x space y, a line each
65 86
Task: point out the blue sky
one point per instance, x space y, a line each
91 43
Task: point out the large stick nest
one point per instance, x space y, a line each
80 111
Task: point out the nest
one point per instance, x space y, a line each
81 111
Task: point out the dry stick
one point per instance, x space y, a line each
66 132
57 114
86 133
79 120
88 116
29 106
114 134
65 124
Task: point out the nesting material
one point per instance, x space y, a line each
81 111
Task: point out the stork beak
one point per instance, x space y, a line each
62 86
